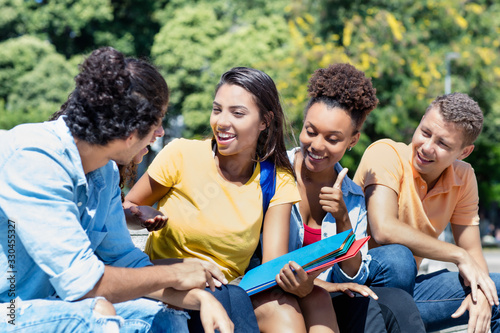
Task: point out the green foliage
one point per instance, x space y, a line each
34 80
400 44
199 42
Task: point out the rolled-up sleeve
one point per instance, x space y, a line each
357 212
38 193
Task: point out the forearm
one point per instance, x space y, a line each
190 299
120 284
328 286
351 266
420 244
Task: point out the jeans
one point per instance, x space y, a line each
392 266
55 315
437 295
238 306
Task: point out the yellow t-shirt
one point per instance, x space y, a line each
208 217
453 199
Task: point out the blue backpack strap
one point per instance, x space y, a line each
267 183
268 187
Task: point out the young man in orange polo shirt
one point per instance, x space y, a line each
412 192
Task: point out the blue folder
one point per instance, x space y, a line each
264 276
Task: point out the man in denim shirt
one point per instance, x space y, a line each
65 246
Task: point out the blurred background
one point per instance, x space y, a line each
414 50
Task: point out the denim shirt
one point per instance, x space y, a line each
58 226
355 203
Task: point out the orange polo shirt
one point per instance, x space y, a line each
453 199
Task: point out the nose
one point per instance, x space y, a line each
159 132
427 146
317 143
222 120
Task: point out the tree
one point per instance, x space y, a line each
199 42
402 46
34 80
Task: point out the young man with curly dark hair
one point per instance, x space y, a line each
68 257
412 193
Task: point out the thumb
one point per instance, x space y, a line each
460 311
340 178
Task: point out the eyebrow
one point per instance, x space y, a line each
232 107
308 123
442 139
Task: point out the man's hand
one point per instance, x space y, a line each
217 277
474 276
148 217
193 273
213 315
479 313
293 279
331 198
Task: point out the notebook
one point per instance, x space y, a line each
317 256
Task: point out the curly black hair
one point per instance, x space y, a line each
345 87
115 97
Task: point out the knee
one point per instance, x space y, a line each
395 258
281 313
317 298
396 264
104 307
236 292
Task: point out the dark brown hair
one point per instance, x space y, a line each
463 111
271 142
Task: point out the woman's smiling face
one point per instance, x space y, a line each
235 121
325 136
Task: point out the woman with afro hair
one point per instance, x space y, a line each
341 97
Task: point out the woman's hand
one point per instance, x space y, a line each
332 201
145 217
349 288
293 279
213 315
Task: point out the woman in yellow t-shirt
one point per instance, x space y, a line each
211 194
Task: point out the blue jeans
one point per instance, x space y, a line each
55 315
437 294
238 306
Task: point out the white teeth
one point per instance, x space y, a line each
226 135
423 158
316 157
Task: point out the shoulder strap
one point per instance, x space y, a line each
267 183
268 187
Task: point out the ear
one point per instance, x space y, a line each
266 122
354 139
466 151
129 141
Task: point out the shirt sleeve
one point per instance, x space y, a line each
167 165
117 248
357 214
380 165
47 220
466 210
286 189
